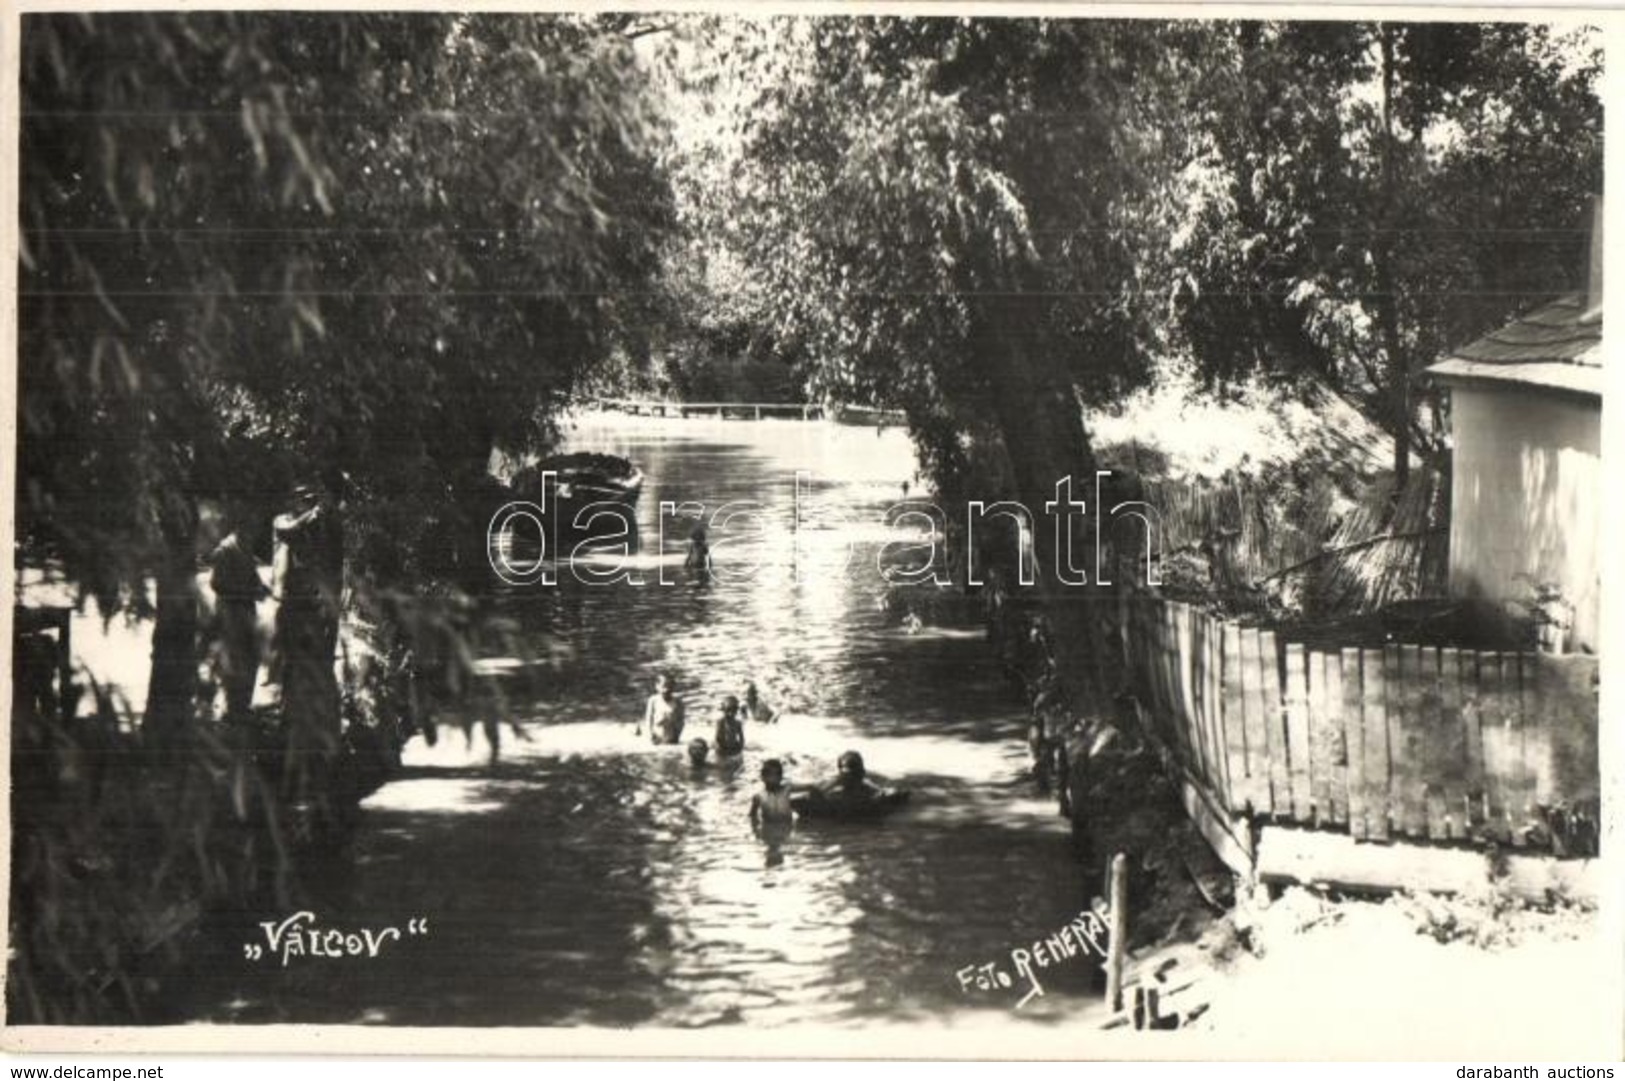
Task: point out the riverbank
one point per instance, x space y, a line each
1311 975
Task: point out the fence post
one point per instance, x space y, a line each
1116 943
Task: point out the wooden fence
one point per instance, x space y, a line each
1403 742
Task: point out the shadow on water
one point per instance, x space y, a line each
591 878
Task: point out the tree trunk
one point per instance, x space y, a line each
172 688
1032 397
1044 438
308 630
1399 376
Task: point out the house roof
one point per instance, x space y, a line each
1557 346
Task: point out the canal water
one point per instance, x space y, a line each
588 878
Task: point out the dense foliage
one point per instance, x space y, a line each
990 223
365 251
261 249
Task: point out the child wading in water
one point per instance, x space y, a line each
771 806
664 712
730 734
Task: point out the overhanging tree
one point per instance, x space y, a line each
1367 195
368 248
953 216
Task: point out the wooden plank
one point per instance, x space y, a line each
1332 772
1374 740
1467 663
1276 724
1440 742
1495 733
1407 778
1352 665
1514 785
1117 943
1138 651
1179 633
1205 711
1258 743
1320 752
1335 861
1213 638
1234 695
1529 740
1153 654
1153 630
1296 707
1403 814
1455 785
1269 660
1170 629
1226 834
1167 712
1190 689
1165 704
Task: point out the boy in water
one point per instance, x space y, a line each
756 709
852 783
697 751
771 806
730 734
664 712
699 551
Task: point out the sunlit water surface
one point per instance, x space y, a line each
589 878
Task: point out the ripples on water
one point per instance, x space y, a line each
590 878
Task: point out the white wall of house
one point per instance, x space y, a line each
1526 498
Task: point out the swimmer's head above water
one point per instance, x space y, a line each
850 766
697 752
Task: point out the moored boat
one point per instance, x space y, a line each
566 485
862 416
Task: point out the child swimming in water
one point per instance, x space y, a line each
852 784
755 709
771 806
698 750
730 734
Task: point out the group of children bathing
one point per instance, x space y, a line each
663 715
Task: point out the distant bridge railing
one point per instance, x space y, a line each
652 407
859 415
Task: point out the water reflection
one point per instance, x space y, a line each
592 878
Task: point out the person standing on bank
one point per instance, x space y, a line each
311 558
235 579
